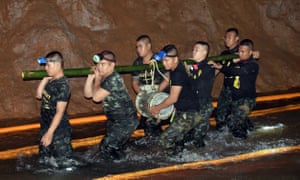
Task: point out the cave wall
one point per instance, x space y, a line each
79 28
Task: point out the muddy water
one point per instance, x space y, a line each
282 166
141 153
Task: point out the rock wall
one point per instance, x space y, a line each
79 28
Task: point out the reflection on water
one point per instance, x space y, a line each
141 153
271 131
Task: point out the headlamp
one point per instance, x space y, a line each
160 55
42 60
97 58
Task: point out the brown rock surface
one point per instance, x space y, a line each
78 28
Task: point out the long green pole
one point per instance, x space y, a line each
81 72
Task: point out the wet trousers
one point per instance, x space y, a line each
223 107
197 134
60 148
119 129
182 123
239 122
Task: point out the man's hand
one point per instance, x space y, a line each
154 110
215 65
46 79
47 139
41 87
91 77
236 60
256 54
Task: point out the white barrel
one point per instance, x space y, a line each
144 100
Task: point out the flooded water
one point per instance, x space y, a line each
282 166
272 130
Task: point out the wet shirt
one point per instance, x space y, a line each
202 77
54 91
228 79
119 101
145 76
244 78
187 98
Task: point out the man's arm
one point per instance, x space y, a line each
99 93
164 84
245 69
135 84
88 86
93 90
41 87
60 109
173 97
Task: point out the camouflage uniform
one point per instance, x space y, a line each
60 148
225 99
186 116
121 115
183 122
223 107
239 121
149 124
202 77
243 95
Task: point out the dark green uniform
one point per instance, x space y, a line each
60 148
121 115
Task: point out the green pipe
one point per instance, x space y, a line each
81 72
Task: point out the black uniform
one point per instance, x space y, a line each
225 98
243 91
202 79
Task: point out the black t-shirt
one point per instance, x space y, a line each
187 100
145 76
55 91
202 79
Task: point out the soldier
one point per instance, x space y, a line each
55 130
143 81
245 71
224 101
202 77
231 41
181 95
108 86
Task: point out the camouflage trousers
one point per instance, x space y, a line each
239 122
223 107
198 133
60 148
118 130
150 126
182 123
